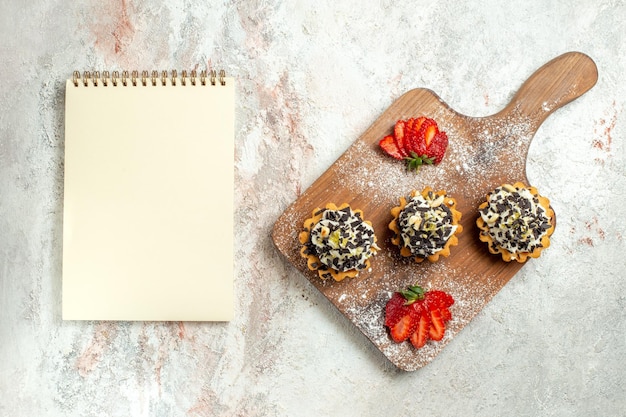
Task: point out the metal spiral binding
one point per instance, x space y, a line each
145 78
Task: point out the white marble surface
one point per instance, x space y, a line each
311 77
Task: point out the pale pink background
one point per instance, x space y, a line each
311 77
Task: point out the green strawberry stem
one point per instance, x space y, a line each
415 161
412 294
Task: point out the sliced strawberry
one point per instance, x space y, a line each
418 122
427 125
399 134
418 315
414 141
438 146
446 315
438 299
438 327
422 332
395 309
407 131
398 129
388 145
429 133
403 329
448 299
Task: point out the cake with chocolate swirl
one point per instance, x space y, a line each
337 242
426 225
516 222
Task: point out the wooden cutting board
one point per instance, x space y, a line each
483 153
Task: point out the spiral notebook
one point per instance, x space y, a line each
148 196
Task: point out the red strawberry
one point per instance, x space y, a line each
446 315
438 146
403 329
398 129
418 122
400 137
437 327
418 315
427 129
421 334
395 309
388 145
429 133
438 299
414 142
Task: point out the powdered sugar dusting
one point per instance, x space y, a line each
470 297
483 153
496 150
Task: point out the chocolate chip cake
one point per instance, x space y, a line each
425 225
516 222
337 242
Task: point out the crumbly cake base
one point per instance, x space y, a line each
452 241
520 257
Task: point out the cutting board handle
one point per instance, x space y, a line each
558 82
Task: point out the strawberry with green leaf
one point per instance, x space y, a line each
418 141
417 315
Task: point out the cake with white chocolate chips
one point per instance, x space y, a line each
337 242
516 222
426 225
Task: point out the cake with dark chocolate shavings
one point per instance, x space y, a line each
516 222
426 225
337 242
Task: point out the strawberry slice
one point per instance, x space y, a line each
422 332
415 143
438 146
418 122
427 130
438 299
438 327
429 133
388 144
446 315
395 309
398 129
403 329
400 137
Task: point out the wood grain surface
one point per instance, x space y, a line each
483 153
